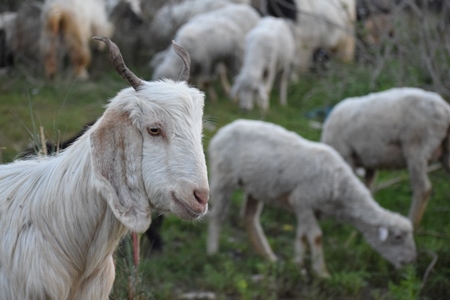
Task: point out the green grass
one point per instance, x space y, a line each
236 272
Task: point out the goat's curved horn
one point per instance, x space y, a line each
184 75
118 63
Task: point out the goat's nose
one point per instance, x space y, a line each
202 196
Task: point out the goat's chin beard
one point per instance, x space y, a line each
185 211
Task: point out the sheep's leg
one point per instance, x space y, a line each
421 187
205 84
80 55
253 209
445 157
51 60
369 179
308 229
345 50
270 79
283 86
222 198
300 244
222 73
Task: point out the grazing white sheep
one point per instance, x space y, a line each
269 51
326 24
61 217
278 167
76 21
218 39
170 17
397 128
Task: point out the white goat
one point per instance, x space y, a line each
397 128
62 217
327 24
76 21
275 166
269 51
218 39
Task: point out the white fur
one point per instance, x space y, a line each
213 39
278 167
397 128
170 17
269 51
62 217
327 24
77 21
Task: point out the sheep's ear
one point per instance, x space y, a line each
116 147
383 233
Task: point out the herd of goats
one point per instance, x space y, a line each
64 215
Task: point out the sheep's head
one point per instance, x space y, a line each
395 243
148 154
248 90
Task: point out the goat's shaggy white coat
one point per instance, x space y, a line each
76 21
62 217
214 39
269 51
397 128
278 167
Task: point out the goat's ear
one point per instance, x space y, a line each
116 147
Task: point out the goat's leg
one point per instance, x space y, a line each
421 187
308 229
253 209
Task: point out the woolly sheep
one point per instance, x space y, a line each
76 21
278 167
327 24
396 128
218 39
169 18
61 217
269 51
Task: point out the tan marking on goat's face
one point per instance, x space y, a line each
109 127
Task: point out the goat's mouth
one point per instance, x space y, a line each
186 211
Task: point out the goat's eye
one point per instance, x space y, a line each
154 130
